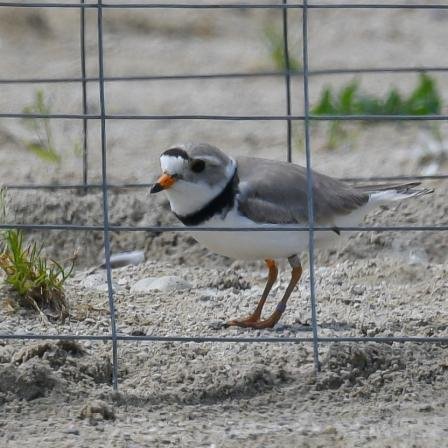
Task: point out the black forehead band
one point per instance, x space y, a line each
176 152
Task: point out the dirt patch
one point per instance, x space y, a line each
95 410
26 382
351 364
36 369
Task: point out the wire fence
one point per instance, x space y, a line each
103 116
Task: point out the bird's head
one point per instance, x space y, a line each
192 175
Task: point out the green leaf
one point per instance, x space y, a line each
423 100
394 104
45 153
275 43
347 98
326 104
78 150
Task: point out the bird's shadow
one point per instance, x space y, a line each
296 327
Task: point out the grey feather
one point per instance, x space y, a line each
276 192
406 188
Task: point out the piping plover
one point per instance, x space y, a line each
205 187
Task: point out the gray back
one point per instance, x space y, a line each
276 192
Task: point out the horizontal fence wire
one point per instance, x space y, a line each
179 5
233 339
268 228
138 186
199 77
377 118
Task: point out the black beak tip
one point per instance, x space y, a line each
156 188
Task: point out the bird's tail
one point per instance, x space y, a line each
394 192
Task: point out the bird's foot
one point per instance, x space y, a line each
251 322
254 320
244 322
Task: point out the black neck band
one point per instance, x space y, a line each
220 204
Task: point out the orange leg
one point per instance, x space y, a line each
254 321
255 316
277 314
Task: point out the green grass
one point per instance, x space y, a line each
42 145
37 281
424 99
276 50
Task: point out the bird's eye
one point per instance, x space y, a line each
197 165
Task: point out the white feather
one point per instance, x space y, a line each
172 164
273 244
188 197
382 197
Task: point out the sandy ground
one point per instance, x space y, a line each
55 394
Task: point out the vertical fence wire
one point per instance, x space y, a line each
105 198
309 180
287 81
84 97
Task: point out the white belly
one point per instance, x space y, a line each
256 245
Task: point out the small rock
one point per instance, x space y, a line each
329 380
97 282
330 430
105 287
126 258
425 408
299 326
95 409
167 283
72 429
217 325
358 290
21 331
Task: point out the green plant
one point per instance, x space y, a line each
277 51
43 144
425 99
37 280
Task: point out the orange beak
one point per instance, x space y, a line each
163 182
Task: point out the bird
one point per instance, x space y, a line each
207 188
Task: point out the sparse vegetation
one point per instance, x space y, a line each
37 281
423 100
276 48
42 145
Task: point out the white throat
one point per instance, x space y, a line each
188 197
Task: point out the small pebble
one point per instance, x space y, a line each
167 283
72 429
217 325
